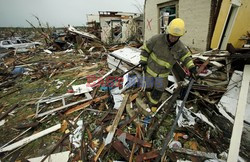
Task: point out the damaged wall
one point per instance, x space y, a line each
196 17
92 18
117 27
151 17
240 25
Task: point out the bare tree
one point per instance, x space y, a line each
139 6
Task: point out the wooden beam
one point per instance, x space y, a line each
134 144
128 121
239 117
195 153
132 98
8 111
86 104
202 67
147 156
31 138
116 120
119 147
113 127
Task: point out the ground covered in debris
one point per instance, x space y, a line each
46 107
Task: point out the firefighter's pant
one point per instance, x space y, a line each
155 86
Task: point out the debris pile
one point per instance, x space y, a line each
77 99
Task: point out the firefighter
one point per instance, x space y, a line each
158 56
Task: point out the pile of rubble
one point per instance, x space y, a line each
76 99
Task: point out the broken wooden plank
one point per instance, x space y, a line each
147 156
113 127
119 147
209 88
8 111
128 121
84 105
195 153
239 117
132 98
25 126
13 91
202 67
31 138
215 63
134 144
131 113
116 120
134 139
99 151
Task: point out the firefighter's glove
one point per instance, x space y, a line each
194 73
143 65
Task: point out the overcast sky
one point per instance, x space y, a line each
14 13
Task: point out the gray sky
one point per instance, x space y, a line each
14 13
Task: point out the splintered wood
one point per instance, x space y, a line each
113 127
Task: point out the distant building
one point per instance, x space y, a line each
116 27
92 18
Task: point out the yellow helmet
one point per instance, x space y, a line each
176 27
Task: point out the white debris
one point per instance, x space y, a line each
61 156
183 160
126 54
80 89
229 100
223 157
175 144
185 119
2 122
68 51
188 117
59 83
84 34
76 137
204 118
113 63
31 138
91 49
129 82
47 51
116 93
208 72
122 138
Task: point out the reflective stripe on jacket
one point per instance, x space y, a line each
161 58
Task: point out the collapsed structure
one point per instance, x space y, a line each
116 27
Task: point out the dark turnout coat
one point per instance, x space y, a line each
161 57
